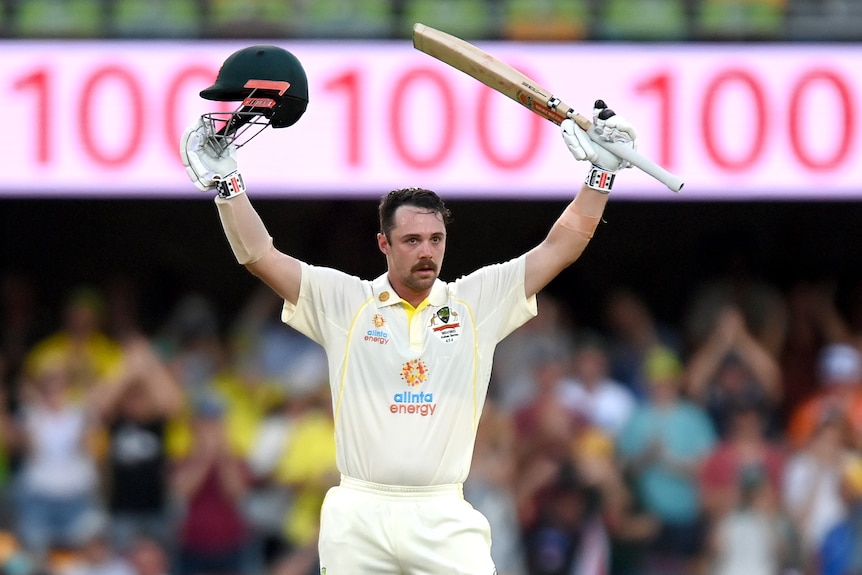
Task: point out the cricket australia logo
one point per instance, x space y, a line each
410 402
445 325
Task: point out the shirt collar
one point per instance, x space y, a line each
384 295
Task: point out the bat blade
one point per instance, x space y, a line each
515 85
489 70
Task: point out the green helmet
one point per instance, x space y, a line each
271 85
273 65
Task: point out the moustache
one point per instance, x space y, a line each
425 265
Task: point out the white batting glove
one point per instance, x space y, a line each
205 167
610 127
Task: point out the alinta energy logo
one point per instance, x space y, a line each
414 402
377 335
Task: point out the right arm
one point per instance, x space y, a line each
252 247
247 235
570 234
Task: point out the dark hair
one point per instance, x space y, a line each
418 197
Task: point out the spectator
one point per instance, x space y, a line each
135 412
547 334
813 322
96 555
840 378
754 537
733 260
195 355
90 355
746 446
664 446
210 483
567 536
149 557
731 366
307 468
841 551
191 343
490 487
267 501
633 331
602 401
544 428
205 363
810 484
283 356
248 397
58 484
615 544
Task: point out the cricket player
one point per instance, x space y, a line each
409 354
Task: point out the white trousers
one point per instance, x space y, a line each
372 529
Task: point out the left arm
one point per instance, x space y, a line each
570 234
564 244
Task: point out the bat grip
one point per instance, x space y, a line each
675 183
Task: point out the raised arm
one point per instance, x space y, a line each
571 233
245 231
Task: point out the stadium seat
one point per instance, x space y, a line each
546 20
59 19
740 19
5 21
468 19
344 19
644 20
156 18
824 20
250 18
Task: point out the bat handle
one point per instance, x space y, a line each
675 183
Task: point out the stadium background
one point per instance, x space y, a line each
663 250
175 244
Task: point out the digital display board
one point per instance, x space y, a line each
737 122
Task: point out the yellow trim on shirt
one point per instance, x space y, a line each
412 311
476 414
337 408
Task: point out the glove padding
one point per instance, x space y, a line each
610 127
204 166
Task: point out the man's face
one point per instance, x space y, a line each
414 250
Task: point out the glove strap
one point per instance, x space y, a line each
600 180
230 185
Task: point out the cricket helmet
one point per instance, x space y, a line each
271 85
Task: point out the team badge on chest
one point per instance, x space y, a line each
445 325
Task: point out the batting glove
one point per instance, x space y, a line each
206 168
610 127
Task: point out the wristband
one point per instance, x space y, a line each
230 185
600 180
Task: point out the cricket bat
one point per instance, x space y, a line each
505 79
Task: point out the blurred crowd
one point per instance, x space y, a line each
539 20
727 443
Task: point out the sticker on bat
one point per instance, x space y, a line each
541 108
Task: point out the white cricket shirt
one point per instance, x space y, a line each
407 395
